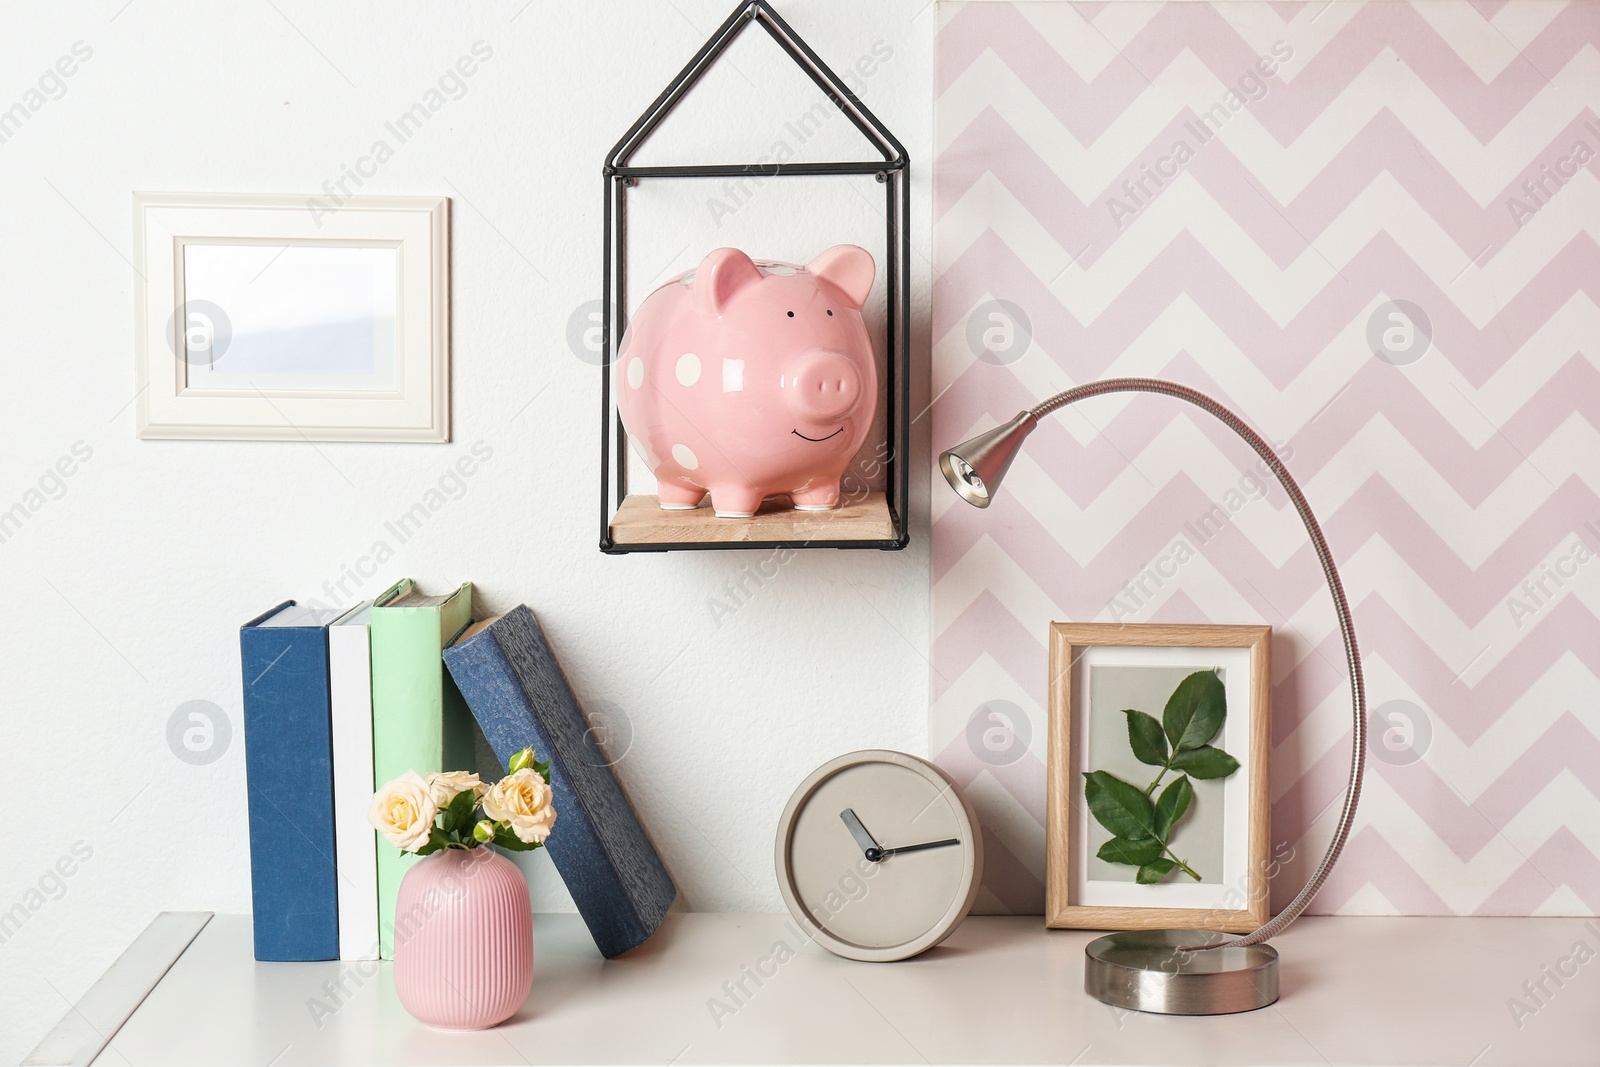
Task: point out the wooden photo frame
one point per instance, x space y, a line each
1099 672
292 318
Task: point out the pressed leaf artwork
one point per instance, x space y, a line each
1179 742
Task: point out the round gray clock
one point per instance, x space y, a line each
879 855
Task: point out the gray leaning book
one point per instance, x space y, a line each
511 681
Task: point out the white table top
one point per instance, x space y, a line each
1001 990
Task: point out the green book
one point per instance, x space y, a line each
419 721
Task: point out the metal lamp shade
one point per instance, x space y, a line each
975 468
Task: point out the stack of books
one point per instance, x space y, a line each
337 702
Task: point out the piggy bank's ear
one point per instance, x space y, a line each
848 269
720 275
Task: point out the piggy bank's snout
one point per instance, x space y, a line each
823 386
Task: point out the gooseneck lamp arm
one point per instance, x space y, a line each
974 470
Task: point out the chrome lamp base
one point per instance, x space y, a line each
1168 973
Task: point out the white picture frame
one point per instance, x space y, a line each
339 328
1099 884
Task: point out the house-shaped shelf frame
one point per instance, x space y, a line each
633 523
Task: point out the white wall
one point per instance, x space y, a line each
127 585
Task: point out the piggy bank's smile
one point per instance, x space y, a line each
818 440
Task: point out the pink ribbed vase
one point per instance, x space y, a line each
463 942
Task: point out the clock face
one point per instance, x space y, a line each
878 855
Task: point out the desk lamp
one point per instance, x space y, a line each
1184 972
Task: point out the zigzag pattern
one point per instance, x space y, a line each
1439 154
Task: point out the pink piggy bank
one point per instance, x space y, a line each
748 380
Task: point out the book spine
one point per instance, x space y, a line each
416 725
405 728
501 704
289 769
641 888
350 687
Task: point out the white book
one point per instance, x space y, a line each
355 841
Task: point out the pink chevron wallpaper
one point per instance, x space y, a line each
1369 228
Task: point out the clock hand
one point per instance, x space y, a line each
869 845
885 853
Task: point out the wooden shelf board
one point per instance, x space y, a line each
640 521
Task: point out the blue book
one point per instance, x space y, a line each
288 755
511 681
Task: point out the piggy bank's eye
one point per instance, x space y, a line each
830 313
791 314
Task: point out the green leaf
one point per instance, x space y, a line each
1119 807
1145 738
511 842
1205 762
437 839
1154 871
1174 802
1134 852
543 771
1195 711
458 813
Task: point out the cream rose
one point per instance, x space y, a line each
403 811
447 785
524 800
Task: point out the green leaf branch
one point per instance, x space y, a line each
452 827
1179 741
1142 829
1193 717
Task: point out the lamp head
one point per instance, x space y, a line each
975 468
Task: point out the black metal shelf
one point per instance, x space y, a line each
893 171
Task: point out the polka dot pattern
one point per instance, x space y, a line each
685 458
688 369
